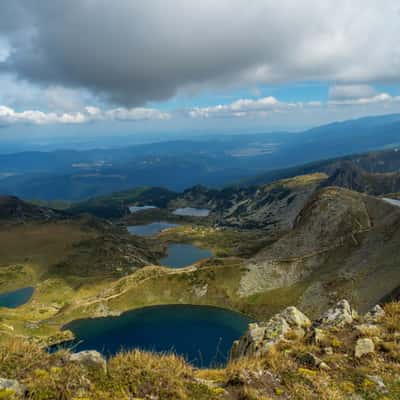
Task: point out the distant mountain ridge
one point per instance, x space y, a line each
14 209
178 165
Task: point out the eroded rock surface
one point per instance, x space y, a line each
261 337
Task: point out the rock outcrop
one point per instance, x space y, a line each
91 359
292 323
261 337
338 316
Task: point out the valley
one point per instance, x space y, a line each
297 241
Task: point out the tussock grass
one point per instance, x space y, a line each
283 372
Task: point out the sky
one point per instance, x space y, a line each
93 67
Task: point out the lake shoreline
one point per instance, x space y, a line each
202 326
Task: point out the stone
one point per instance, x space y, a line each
295 318
259 338
338 316
363 347
12 385
375 314
313 361
250 342
91 359
378 382
328 351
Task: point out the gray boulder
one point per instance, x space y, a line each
338 316
295 318
363 347
375 314
91 359
12 385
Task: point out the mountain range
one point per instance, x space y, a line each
177 165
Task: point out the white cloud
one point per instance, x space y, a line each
268 106
242 108
10 116
261 107
378 98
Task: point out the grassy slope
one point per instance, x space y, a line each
65 260
283 373
70 290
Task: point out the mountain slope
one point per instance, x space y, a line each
351 176
273 206
12 209
40 243
342 243
372 162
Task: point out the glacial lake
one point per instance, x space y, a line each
150 229
135 209
181 255
16 298
201 334
192 212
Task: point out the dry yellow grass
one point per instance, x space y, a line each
283 372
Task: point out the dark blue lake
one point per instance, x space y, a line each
150 229
192 212
202 334
181 255
16 298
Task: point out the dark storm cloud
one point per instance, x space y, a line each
132 52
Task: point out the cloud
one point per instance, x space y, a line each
249 107
134 52
373 99
346 92
267 106
9 116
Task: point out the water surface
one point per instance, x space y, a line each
192 212
181 255
16 298
135 209
150 229
202 334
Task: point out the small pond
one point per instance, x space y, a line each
202 334
181 255
150 229
192 212
16 298
135 209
